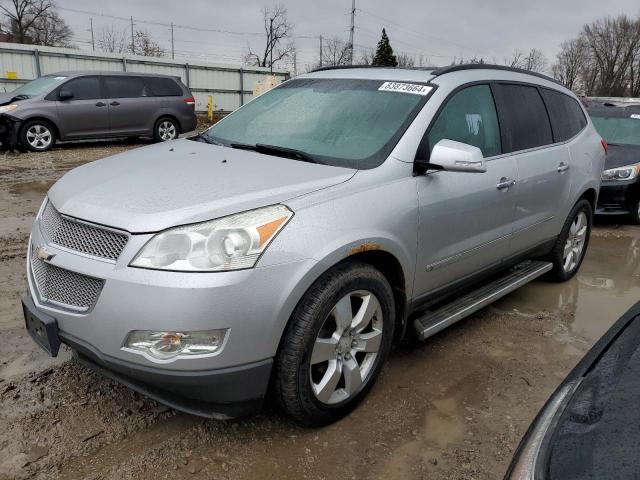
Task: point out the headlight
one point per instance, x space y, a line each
229 243
628 172
164 345
8 108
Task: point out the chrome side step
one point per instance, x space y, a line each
436 320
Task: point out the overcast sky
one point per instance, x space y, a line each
439 31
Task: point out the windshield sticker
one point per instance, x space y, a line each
59 78
635 116
412 88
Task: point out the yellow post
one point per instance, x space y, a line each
210 107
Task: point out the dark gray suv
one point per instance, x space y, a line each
75 105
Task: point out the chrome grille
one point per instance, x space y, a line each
62 287
82 237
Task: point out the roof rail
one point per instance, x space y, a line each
486 66
347 67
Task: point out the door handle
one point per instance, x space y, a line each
101 104
563 167
114 103
505 183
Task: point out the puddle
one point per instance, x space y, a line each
607 284
36 189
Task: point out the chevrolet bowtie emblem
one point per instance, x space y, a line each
44 254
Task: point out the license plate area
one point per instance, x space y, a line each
43 328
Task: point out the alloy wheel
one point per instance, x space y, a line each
346 348
574 246
39 136
167 130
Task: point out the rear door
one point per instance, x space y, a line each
544 181
132 106
86 114
464 218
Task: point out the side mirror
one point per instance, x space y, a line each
65 95
455 157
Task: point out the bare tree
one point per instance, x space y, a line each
144 44
335 52
366 56
534 61
278 30
613 45
51 30
405 60
21 16
570 61
112 40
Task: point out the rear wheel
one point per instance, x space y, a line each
337 341
166 129
37 136
571 245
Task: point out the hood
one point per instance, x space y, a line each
7 98
622 155
168 184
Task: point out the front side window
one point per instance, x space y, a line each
523 117
83 88
125 87
341 122
469 117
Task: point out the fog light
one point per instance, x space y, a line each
165 345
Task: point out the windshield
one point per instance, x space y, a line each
621 130
38 86
341 122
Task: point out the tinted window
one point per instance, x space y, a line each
469 117
83 88
567 118
125 87
164 87
523 117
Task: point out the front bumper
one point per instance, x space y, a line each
9 127
618 197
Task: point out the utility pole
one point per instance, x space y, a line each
352 29
133 47
295 64
320 50
172 51
93 43
271 45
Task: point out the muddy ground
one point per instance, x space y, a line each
453 407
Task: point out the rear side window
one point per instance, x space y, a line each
83 88
126 87
164 87
523 117
567 118
469 117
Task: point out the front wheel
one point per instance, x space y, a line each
568 253
635 213
335 345
37 136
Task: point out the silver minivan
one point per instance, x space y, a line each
286 249
83 105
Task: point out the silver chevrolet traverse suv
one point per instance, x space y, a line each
288 247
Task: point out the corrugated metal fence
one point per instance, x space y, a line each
231 86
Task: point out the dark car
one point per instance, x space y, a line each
78 105
620 190
590 427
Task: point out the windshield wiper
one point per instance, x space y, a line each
22 96
277 151
201 137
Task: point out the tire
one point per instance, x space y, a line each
563 268
312 323
635 213
165 129
37 135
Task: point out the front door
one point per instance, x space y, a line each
86 113
465 219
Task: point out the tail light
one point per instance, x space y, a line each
605 145
190 101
